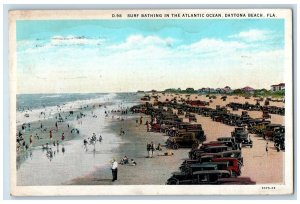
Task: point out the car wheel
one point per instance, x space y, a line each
172 182
175 146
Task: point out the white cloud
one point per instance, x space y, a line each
139 41
146 62
208 45
253 35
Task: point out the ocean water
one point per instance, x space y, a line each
34 101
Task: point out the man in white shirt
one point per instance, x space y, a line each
114 169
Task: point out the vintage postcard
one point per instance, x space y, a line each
151 102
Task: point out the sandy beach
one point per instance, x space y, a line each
76 166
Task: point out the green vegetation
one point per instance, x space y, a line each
239 92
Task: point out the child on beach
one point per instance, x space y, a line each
63 137
124 160
158 147
133 163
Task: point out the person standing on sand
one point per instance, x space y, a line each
152 147
50 134
141 120
148 149
114 170
30 140
56 126
63 137
267 147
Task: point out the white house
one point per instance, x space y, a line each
278 87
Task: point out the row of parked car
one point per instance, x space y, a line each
257 107
181 134
216 162
261 127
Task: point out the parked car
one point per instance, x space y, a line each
257 126
187 139
279 138
270 130
230 144
198 177
196 153
242 136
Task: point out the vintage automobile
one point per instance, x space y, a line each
267 102
196 153
187 127
145 98
224 98
232 145
270 130
192 118
205 157
279 139
187 139
198 177
257 126
266 114
180 112
242 136
236 181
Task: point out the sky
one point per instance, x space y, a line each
75 56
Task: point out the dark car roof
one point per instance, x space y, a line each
204 165
214 147
230 151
